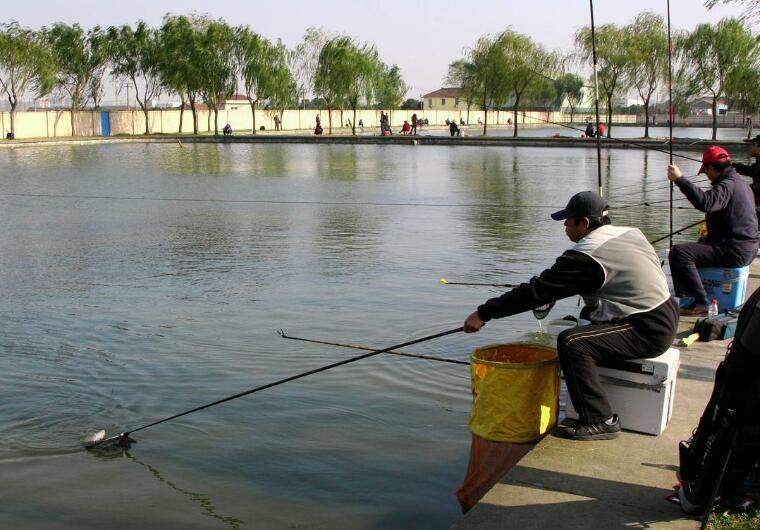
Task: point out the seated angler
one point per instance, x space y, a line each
618 274
732 233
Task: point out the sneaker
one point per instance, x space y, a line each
604 430
693 311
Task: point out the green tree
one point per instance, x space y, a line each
569 88
216 65
25 63
710 56
304 60
742 90
263 69
482 75
390 87
79 63
612 61
648 57
346 75
179 38
411 104
751 11
135 54
527 66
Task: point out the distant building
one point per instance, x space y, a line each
444 99
703 106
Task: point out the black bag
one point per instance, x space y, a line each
725 445
719 327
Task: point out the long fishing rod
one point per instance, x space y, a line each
123 439
446 282
359 347
670 119
596 102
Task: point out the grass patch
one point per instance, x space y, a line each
742 521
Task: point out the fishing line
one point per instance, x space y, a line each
124 440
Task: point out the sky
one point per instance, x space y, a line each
421 36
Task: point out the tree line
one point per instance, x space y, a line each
717 60
200 59
196 58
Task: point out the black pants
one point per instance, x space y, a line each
686 258
581 347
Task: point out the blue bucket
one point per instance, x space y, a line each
727 286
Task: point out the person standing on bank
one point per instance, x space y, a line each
732 234
632 315
752 171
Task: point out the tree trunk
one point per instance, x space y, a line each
485 116
329 120
181 115
216 121
72 112
715 117
749 127
646 118
195 115
145 113
609 116
514 113
14 104
353 123
253 116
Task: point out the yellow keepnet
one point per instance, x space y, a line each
515 389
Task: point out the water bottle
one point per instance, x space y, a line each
713 309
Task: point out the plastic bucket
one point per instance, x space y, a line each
515 389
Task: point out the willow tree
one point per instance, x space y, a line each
25 64
742 91
568 87
711 55
482 75
528 65
79 63
262 67
216 65
612 60
390 89
648 57
179 44
135 54
303 61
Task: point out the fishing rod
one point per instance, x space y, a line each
358 347
124 440
670 119
446 282
596 102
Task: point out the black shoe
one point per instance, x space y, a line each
595 431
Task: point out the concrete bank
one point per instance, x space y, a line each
658 144
609 484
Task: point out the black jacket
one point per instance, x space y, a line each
754 172
729 208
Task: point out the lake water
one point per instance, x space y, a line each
142 280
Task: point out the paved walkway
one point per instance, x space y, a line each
609 484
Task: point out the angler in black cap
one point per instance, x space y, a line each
632 315
752 171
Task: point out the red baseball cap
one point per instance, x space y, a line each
712 155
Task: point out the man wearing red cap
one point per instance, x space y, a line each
732 233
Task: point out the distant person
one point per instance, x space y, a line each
480 122
406 128
414 124
426 122
589 132
227 130
319 122
318 129
276 122
361 124
731 239
461 121
601 129
752 170
453 129
509 121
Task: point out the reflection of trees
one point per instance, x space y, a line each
499 220
346 237
269 159
187 159
337 162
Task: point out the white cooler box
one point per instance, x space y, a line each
641 392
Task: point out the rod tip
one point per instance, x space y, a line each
443 280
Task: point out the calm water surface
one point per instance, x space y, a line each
139 281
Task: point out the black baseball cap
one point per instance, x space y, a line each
755 140
583 204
